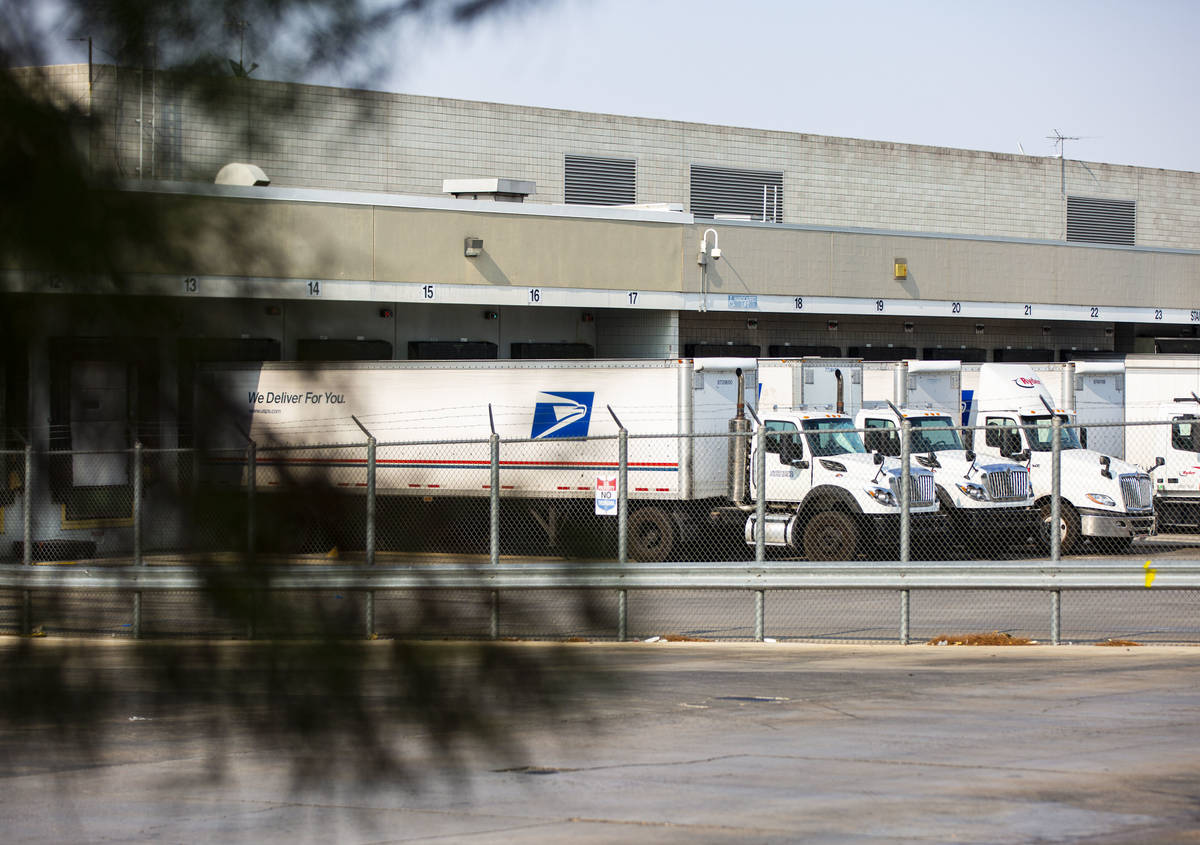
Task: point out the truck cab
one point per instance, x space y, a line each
988 502
1101 497
827 494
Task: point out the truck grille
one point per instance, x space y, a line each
1138 492
1008 485
920 489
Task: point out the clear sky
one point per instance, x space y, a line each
989 76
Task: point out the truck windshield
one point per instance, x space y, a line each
1041 439
832 437
933 434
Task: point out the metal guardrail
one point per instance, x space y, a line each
1045 576
701 575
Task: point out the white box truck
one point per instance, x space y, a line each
1102 498
679 413
1165 388
806 405
989 502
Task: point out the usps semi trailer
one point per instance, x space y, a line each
433 422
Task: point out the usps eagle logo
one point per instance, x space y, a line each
565 414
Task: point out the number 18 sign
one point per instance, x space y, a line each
606 495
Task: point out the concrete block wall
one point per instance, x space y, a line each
312 136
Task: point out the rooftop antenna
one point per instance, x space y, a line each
1060 140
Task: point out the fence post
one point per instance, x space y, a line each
760 469
137 503
370 539
251 536
138 560
759 615
251 485
1055 488
27 508
1055 617
495 526
905 488
622 528
904 617
27 538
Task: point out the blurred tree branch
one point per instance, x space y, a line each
62 210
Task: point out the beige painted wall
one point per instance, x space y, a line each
769 260
414 245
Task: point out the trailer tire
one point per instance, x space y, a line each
830 535
1069 530
651 535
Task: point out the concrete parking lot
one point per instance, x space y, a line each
694 742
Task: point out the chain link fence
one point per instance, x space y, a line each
789 490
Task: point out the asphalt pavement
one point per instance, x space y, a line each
683 742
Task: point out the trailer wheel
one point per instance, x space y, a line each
830 535
1068 526
651 535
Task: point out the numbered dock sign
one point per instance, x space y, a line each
606 495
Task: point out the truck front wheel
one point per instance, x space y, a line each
651 535
830 535
1068 526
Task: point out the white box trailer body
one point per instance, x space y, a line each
812 383
433 423
1167 388
435 410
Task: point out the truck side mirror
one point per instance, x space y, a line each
789 451
1012 444
878 458
970 456
1159 461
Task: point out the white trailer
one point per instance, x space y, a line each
1166 388
834 384
824 492
443 414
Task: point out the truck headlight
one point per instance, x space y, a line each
1101 499
883 496
973 491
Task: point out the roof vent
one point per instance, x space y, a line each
499 190
246 175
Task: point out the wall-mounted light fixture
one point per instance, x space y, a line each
491 315
705 252
752 323
900 269
1109 331
832 325
979 328
472 247
909 327
1046 330
587 317
385 313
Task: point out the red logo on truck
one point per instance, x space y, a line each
1026 382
